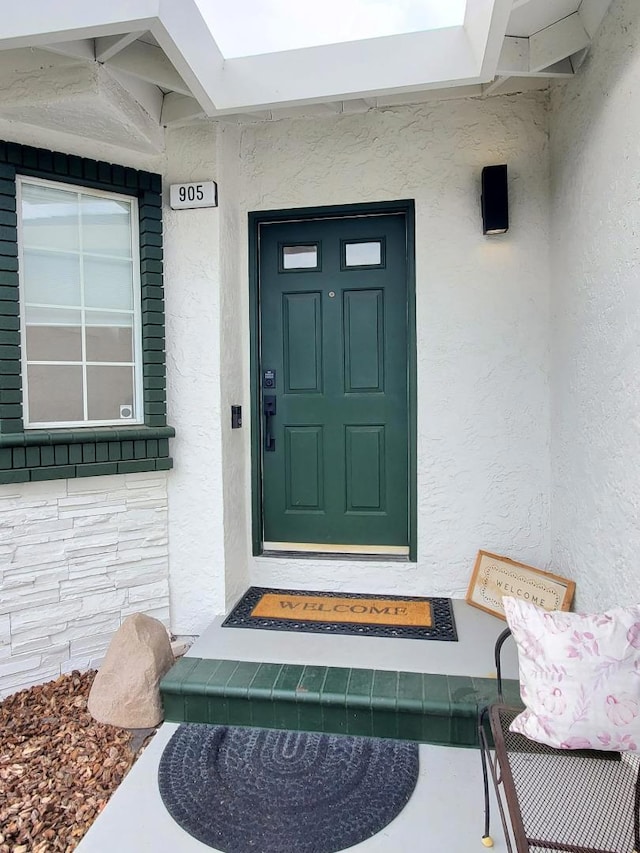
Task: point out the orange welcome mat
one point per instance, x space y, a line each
344 613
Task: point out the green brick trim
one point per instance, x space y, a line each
40 455
79 452
438 709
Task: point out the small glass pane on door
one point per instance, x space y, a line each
367 254
299 257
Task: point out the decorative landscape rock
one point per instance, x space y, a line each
125 691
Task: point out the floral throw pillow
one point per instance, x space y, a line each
579 676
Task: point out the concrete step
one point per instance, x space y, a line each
429 708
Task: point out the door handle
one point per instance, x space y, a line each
269 411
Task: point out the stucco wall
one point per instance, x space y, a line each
192 298
483 346
595 127
482 319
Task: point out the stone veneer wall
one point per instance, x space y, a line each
76 558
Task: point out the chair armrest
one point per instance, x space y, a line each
498 659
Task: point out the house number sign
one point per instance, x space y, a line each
201 194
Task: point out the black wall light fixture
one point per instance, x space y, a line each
495 200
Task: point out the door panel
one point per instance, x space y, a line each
302 341
334 330
363 313
304 469
365 469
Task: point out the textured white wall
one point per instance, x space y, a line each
483 344
482 318
192 298
595 128
234 359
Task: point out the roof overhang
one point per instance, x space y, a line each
431 59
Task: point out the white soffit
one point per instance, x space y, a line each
528 18
164 53
450 56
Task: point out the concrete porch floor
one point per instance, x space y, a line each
445 812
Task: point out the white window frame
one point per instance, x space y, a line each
138 366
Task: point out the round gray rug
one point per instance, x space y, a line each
262 791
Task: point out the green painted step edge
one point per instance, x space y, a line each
438 709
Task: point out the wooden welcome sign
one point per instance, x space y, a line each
494 576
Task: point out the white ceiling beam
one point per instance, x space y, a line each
107 46
515 62
514 58
578 58
41 22
80 49
496 86
408 62
149 63
485 24
187 40
592 13
148 95
557 42
564 68
177 109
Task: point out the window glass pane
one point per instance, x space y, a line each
108 318
106 226
77 280
49 218
52 316
51 278
109 343
108 283
108 388
55 393
299 257
54 343
363 254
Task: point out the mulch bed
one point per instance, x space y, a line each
58 767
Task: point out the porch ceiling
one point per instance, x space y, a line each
163 55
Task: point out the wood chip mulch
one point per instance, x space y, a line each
58 767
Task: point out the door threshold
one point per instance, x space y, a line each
335 555
318 548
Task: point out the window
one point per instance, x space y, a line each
299 257
80 305
82 345
363 253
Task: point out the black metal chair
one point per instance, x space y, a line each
580 801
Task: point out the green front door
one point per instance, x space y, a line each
333 379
